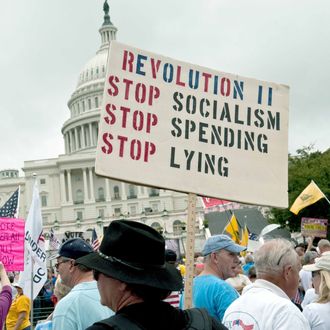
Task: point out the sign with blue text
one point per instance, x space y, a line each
179 126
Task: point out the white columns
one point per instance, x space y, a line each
62 184
76 138
69 187
123 191
91 182
85 185
90 134
141 192
82 137
107 190
72 141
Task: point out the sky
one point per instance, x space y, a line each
45 44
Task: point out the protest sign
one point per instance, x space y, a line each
12 243
314 227
183 127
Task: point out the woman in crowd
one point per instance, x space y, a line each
318 313
19 312
5 295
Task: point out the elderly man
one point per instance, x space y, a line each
81 307
266 303
210 291
323 246
133 279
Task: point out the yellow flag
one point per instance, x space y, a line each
245 237
232 228
309 196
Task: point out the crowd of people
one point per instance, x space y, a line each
140 285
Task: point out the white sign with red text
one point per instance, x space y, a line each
179 126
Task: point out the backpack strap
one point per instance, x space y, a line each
121 322
198 318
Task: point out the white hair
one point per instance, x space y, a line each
273 256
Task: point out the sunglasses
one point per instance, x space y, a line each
61 262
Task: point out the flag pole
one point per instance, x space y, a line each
322 192
31 311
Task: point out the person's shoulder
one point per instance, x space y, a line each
99 326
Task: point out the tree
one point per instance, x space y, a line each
303 167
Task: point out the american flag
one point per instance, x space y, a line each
95 241
54 243
9 210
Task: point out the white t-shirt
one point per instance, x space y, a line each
263 306
318 315
310 296
305 279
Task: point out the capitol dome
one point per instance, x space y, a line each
80 131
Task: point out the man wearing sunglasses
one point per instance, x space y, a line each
133 279
81 307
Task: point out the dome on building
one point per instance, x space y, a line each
81 129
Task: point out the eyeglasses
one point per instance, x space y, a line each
281 257
61 262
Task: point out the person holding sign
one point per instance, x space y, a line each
133 279
5 295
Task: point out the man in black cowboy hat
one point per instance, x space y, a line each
133 279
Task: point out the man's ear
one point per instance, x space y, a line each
286 271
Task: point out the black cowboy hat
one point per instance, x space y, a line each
134 253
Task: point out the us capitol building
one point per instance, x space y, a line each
74 199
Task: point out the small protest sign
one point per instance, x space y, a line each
179 126
314 227
12 243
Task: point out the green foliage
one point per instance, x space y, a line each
303 167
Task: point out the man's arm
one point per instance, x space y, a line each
20 319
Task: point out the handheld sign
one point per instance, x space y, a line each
314 227
12 243
187 128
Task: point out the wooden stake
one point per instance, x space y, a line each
190 250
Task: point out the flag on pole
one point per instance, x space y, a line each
232 228
95 241
10 208
34 275
310 195
245 236
54 243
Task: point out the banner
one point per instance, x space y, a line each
35 268
12 243
314 227
179 126
211 202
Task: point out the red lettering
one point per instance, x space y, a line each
206 76
122 140
135 154
106 139
124 119
128 83
225 87
138 117
149 149
128 59
178 77
112 119
154 67
152 120
154 94
112 80
140 93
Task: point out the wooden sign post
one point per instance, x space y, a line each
190 250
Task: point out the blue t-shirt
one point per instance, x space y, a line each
213 294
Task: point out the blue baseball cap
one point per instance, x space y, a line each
219 242
74 248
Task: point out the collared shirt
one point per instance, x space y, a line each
263 305
80 308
